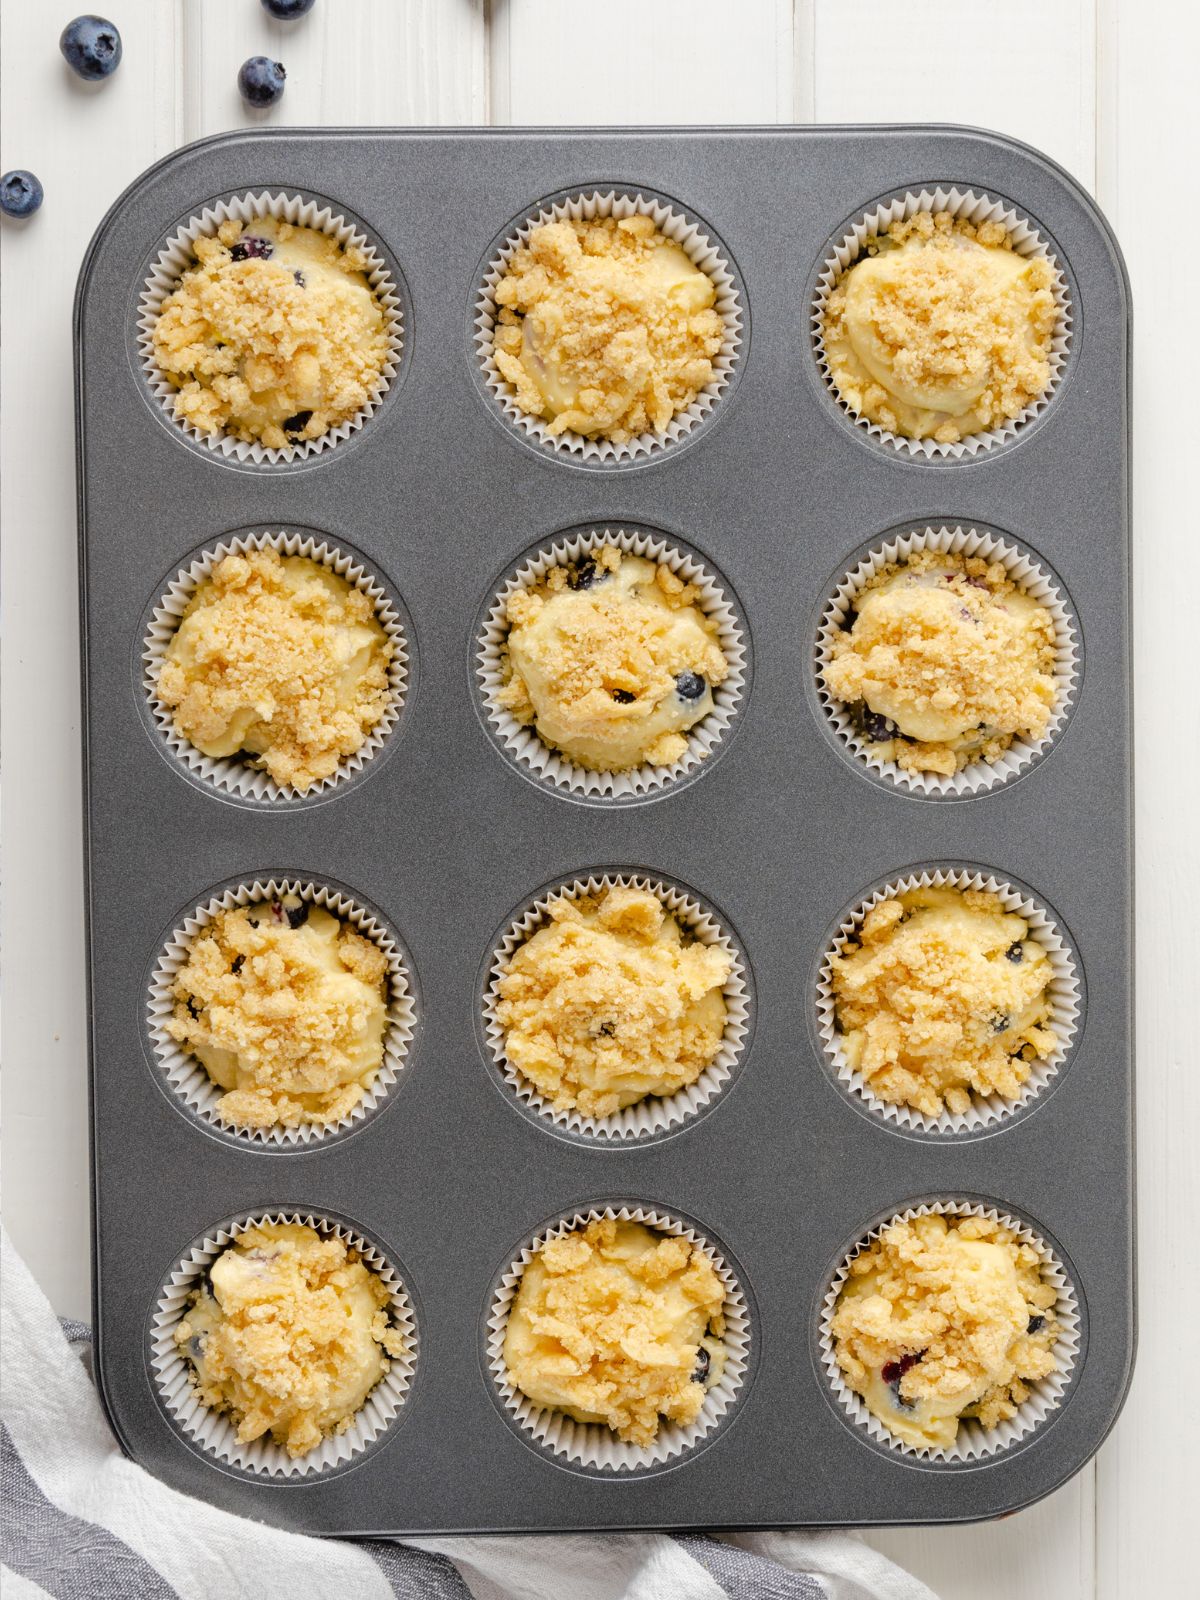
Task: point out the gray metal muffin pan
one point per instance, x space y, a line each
447 837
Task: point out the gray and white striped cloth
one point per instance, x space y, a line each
81 1522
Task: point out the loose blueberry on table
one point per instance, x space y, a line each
91 47
20 194
260 81
288 10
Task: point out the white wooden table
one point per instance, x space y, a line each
1102 85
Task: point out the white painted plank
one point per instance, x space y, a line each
610 62
85 143
1147 1478
1025 68
348 63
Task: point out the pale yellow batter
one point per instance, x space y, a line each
609 1003
288 1335
946 661
284 1006
943 996
941 1319
619 1325
606 328
279 657
611 660
941 330
274 334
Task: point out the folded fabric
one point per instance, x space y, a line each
81 1522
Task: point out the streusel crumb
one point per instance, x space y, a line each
617 1324
606 328
280 658
941 329
273 335
942 996
945 1318
608 1002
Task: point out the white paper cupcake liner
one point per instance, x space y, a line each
236 777
704 252
521 742
216 1432
653 1117
592 1446
975 208
177 255
1064 995
188 1079
974 1442
1034 579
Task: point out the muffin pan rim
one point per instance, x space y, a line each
879 144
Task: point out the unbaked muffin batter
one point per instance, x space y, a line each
274 334
940 329
945 1318
611 660
288 1333
278 658
609 1003
620 1325
942 995
606 328
945 661
284 1006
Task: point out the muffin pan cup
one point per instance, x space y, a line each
445 838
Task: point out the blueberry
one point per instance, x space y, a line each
703 1362
1036 1324
877 728
260 81
892 1372
623 697
251 248
91 47
584 575
196 1346
690 686
299 277
236 965
288 10
298 423
1016 953
297 915
20 194
1001 1022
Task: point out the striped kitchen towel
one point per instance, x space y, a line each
81 1522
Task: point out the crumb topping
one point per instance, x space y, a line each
945 661
279 658
288 1334
273 334
609 1002
284 1005
941 330
611 659
942 995
941 1319
606 328
618 1324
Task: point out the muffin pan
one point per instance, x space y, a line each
445 838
